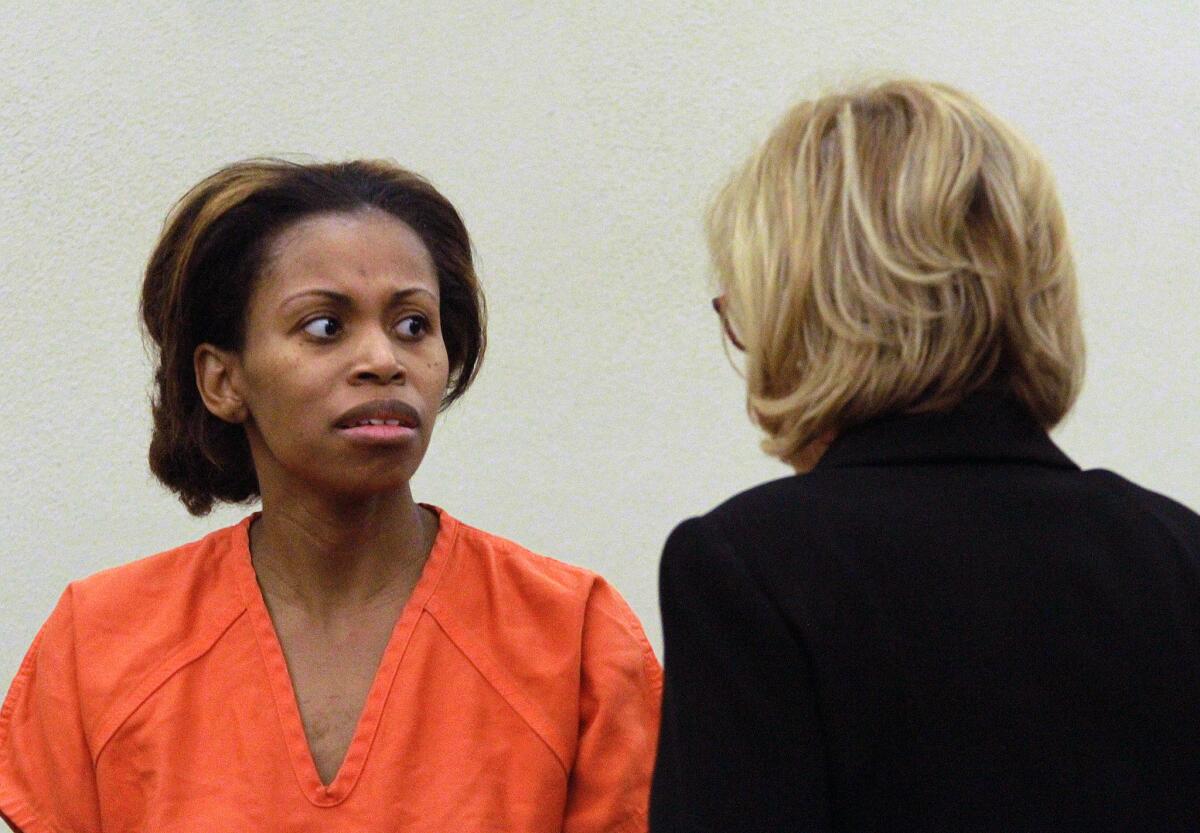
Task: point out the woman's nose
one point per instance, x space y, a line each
378 359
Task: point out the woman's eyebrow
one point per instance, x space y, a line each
338 299
342 300
404 294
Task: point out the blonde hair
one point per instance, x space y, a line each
891 250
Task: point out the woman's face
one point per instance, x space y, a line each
343 366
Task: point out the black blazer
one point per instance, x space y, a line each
945 626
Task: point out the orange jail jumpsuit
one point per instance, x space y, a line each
516 694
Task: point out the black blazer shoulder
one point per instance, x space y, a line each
946 625
896 467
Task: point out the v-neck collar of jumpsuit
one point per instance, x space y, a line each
290 721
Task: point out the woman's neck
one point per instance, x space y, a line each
327 557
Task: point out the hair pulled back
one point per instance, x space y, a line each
201 274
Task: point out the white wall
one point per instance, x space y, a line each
580 141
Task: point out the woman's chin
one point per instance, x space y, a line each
361 486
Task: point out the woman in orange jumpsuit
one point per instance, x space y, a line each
347 659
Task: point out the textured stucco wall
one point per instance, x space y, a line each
580 140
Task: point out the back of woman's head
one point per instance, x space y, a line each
890 250
214 248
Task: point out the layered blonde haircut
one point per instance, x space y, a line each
892 249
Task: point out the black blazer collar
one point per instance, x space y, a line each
990 425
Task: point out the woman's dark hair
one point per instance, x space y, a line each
212 251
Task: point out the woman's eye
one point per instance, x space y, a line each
412 326
323 327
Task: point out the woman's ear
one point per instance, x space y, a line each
217 374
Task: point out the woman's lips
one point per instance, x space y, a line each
384 432
381 421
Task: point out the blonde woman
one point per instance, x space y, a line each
942 623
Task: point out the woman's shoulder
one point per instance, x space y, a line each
500 588
758 508
115 635
499 561
541 630
125 621
181 582
1123 501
